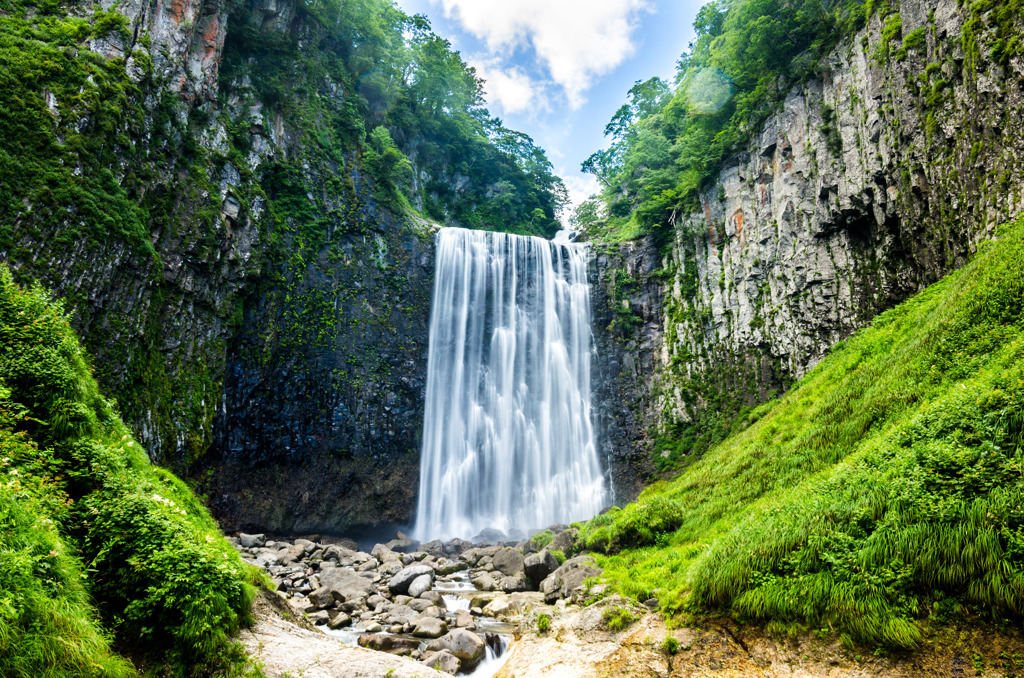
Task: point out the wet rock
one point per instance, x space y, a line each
489 535
390 644
339 620
434 597
434 548
563 541
443 661
320 617
402 614
252 540
465 645
485 582
464 620
429 627
420 604
383 554
402 580
539 565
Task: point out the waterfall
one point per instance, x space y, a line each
507 437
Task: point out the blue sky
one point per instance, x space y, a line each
559 69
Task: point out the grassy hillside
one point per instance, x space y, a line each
94 541
885 488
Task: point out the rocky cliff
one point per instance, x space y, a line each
873 180
236 245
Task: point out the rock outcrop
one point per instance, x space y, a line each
869 183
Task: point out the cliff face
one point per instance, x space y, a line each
871 182
266 333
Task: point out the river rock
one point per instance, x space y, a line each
402 614
515 583
322 598
402 544
401 581
508 560
420 604
429 627
485 582
383 554
347 586
464 620
434 597
339 620
464 644
563 541
561 582
434 548
421 585
390 644
540 565
443 661
252 540
319 617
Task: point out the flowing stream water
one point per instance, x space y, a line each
507 437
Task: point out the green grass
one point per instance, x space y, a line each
95 541
888 484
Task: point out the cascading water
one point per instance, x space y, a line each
507 437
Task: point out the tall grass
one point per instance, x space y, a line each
888 479
111 538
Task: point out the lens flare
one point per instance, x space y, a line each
709 91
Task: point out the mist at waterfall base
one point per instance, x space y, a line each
508 442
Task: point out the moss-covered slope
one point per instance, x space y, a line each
884 490
94 540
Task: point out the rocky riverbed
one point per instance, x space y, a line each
520 610
453 606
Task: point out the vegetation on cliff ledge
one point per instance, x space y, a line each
94 541
886 489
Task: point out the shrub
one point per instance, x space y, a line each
670 645
618 618
165 580
543 623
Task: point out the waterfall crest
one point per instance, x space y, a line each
507 435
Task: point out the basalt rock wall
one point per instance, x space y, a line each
870 182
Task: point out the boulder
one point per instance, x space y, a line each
390 644
516 583
561 582
383 554
322 598
443 661
465 645
402 614
339 620
320 617
485 582
435 597
464 620
420 585
508 561
402 544
489 535
250 541
429 627
539 565
401 581
434 548
347 586
421 604
307 546
564 541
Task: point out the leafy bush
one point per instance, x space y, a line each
164 579
670 645
541 539
888 477
543 623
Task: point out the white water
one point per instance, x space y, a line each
507 437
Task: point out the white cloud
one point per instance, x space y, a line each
511 89
580 187
577 40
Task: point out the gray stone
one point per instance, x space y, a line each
401 581
346 585
322 598
540 565
252 540
429 627
319 617
434 597
465 645
339 620
561 582
443 661
420 585
519 582
390 644
508 561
